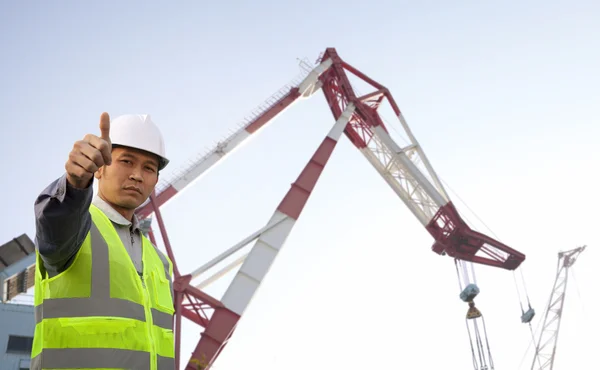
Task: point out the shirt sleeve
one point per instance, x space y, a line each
62 222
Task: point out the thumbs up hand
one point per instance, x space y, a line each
89 154
105 129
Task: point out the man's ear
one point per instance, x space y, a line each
98 174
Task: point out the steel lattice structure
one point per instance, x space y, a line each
406 169
546 347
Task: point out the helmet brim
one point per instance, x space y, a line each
162 161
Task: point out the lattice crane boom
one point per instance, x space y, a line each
303 86
546 346
398 166
358 119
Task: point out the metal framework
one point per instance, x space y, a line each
546 346
406 169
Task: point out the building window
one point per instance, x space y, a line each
18 344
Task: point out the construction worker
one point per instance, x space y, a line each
103 292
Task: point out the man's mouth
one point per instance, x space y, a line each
133 189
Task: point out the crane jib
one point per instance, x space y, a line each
407 171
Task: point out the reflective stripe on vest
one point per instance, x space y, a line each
109 358
99 303
111 319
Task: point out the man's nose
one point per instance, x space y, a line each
136 175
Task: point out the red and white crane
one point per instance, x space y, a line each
406 169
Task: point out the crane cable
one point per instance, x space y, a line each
524 288
523 310
472 349
460 288
480 345
465 277
572 271
532 341
478 348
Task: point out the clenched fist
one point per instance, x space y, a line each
89 154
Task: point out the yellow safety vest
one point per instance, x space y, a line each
98 314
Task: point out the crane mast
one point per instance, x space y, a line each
406 169
546 346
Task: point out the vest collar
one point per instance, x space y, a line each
115 216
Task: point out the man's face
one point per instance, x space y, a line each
130 179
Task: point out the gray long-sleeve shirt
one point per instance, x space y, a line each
63 220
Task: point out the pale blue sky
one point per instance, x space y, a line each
503 98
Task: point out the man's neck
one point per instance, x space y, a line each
115 216
126 213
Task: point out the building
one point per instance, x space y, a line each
16 335
17 322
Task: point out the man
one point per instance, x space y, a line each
103 292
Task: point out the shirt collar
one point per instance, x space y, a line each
115 216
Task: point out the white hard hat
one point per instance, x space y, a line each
138 131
